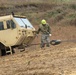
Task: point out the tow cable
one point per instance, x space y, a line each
56 42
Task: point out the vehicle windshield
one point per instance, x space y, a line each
24 22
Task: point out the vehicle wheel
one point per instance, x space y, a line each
55 42
0 52
3 52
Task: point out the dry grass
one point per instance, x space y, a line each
54 11
8 3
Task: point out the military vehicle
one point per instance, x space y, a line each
15 31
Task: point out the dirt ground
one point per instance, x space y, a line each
55 60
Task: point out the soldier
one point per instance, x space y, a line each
45 30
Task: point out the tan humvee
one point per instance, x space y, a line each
15 31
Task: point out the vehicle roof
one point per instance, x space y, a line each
10 17
19 16
6 17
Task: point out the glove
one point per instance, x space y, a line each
49 34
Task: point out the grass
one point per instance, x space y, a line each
36 10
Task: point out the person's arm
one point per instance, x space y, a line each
49 29
38 31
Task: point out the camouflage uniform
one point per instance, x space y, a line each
45 31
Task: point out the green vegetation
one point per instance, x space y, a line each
54 11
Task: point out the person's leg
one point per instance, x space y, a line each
42 40
42 44
47 41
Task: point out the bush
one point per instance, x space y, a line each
73 22
73 6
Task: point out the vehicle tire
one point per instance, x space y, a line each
0 52
55 42
3 52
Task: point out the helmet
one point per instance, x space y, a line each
43 21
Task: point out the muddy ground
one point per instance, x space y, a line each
55 60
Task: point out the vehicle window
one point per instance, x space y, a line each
1 26
10 24
13 25
24 22
20 22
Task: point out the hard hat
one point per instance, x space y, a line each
43 21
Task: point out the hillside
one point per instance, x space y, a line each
54 11
55 60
